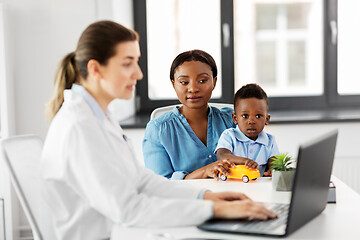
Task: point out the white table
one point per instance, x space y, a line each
337 221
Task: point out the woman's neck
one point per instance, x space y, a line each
194 114
99 96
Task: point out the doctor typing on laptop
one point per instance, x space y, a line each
91 177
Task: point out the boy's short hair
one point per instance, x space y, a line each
251 90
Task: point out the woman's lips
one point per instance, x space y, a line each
193 98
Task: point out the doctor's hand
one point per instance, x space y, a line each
242 209
224 196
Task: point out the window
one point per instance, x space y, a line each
169 27
287 46
183 28
279 46
348 47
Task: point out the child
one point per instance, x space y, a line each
248 144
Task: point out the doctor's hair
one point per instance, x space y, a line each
251 90
193 55
98 42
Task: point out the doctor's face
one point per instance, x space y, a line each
122 71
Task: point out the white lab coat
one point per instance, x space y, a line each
93 180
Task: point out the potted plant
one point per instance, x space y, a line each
282 172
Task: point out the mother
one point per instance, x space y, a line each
180 144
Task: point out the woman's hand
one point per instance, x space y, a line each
242 209
221 166
224 196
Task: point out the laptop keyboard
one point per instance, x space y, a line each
263 226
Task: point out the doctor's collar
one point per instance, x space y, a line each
90 100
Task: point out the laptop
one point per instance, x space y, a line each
309 194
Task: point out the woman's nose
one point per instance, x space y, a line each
193 87
138 74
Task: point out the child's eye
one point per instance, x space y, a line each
258 116
244 116
203 80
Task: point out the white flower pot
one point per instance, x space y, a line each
282 180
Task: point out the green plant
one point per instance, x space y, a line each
282 162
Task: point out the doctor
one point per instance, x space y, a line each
90 173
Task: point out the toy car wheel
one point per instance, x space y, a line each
245 179
223 177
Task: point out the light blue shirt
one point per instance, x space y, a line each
90 100
172 149
260 150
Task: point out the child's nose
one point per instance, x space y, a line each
251 120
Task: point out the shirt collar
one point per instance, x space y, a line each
90 100
177 112
262 137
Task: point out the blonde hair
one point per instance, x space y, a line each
65 76
98 42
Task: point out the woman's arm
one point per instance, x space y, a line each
155 155
212 170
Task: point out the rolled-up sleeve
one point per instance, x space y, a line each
156 157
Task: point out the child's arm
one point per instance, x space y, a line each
268 170
223 153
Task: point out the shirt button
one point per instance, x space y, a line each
210 156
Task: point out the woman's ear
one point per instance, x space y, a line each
173 82
215 80
94 69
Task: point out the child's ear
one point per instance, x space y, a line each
234 118
172 82
267 119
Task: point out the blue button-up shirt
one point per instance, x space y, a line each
260 150
172 149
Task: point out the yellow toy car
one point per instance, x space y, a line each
241 172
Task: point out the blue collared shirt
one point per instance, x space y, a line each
172 149
260 150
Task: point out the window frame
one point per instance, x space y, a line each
330 99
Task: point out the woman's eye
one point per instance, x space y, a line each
127 64
183 82
203 80
245 116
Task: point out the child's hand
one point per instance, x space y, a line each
220 166
268 173
251 164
